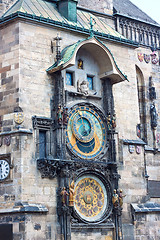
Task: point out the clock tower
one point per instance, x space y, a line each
84 128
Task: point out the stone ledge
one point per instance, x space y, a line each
83 95
19 131
25 208
149 207
133 142
151 149
97 227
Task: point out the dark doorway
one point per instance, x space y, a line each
6 231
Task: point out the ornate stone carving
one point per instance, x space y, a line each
48 168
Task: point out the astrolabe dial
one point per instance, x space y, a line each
86 133
90 198
83 127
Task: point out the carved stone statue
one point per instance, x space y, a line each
64 195
59 114
121 196
65 115
109 122
152 90
80 64
71 194
154 116
114 121
83 87
115 199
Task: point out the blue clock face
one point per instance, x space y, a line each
86 133
83 127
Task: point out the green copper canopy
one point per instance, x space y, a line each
48 12
107 63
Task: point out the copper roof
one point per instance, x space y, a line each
48 10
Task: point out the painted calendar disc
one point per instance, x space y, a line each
90 198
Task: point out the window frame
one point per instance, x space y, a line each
93 79
73 78
45 125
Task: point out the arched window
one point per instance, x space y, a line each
141 101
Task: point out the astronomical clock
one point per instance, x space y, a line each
86 140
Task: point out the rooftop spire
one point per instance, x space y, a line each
58 47
92 22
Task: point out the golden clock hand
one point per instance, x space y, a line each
80 113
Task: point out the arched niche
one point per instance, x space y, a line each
140 77
141 101
108 67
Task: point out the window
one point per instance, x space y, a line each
42 144
43 127
90 81
69 78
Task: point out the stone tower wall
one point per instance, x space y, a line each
9 70
104 6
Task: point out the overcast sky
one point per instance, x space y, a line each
150 7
